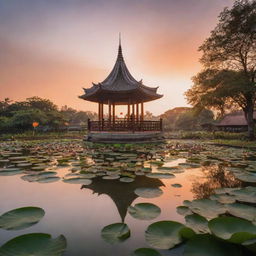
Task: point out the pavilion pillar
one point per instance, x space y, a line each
133 112
109 110
142 111
102 111
99 111
114 114
128 111
137 112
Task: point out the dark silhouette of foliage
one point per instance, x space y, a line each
229 60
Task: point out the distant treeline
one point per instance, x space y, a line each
187 119
19 116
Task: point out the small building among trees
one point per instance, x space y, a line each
234 122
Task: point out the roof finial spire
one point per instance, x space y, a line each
120 54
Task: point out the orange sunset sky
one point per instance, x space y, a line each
53 48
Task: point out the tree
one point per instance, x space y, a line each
44 105
229 60
22 120
192 119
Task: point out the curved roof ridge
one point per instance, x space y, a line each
121 72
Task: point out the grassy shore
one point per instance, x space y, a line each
43 136
217 138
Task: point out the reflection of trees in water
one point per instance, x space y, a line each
216 176
122 193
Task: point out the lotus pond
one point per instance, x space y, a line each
66 197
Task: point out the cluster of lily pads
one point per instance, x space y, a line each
224 222
37 244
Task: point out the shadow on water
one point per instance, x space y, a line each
121 193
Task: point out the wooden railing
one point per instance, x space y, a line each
125 125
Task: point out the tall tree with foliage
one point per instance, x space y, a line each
229 61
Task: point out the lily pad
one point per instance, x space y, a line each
47 174
111 177
198 223
208 245
115 233
232 229
247 194
164 234
30 177
48 179
144 211
207 208
21 218
9 171
145 252
159 175
242 211
148 192
126 179
176 185
246 176
183 210
223 198
78 181
36 244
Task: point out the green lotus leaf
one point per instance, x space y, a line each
148 192
183 210
126 179
224 190
198 223
47 174
207 208
78 180
245 176
158 163
21 218
232 229
242 211
48 179
39 167
208 245
36 244
223 198
159 175
115 233
9 171
164 234
24 165
176 185
30 177
247 194
145 252
144 211
111 177
88 175
139 173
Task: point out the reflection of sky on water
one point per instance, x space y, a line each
80 214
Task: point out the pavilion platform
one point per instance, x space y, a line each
124 131
125 137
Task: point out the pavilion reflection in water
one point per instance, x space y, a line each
122 200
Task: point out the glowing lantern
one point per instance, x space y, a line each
35 124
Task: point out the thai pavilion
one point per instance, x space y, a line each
120 88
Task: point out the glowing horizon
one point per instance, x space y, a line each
52 49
